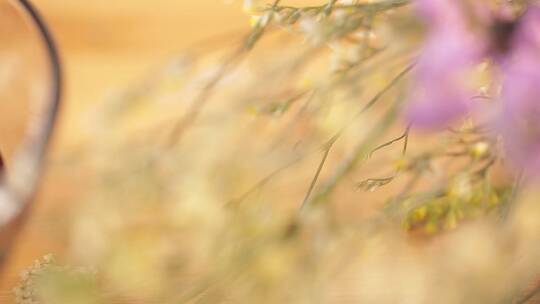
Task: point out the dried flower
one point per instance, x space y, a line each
47 282
25 292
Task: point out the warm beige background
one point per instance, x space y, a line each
105 44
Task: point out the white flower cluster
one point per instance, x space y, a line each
31 288
25 291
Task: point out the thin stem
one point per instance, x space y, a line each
327 149
405 136
332 3
529 296
202 99
265 180
347 165
375 99
390 85
406 142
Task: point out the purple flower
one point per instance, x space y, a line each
519 118
452 48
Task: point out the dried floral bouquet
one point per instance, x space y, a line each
345 152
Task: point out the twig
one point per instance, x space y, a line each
347 165
529 296
202 99
406 142
389 86
327 149
381 5
405 136
264 180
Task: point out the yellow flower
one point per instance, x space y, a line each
480 150
254 20
419 214
259 21
401 164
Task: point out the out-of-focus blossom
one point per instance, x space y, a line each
519 119
453 47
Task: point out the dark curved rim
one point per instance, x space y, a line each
35 144
55 66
